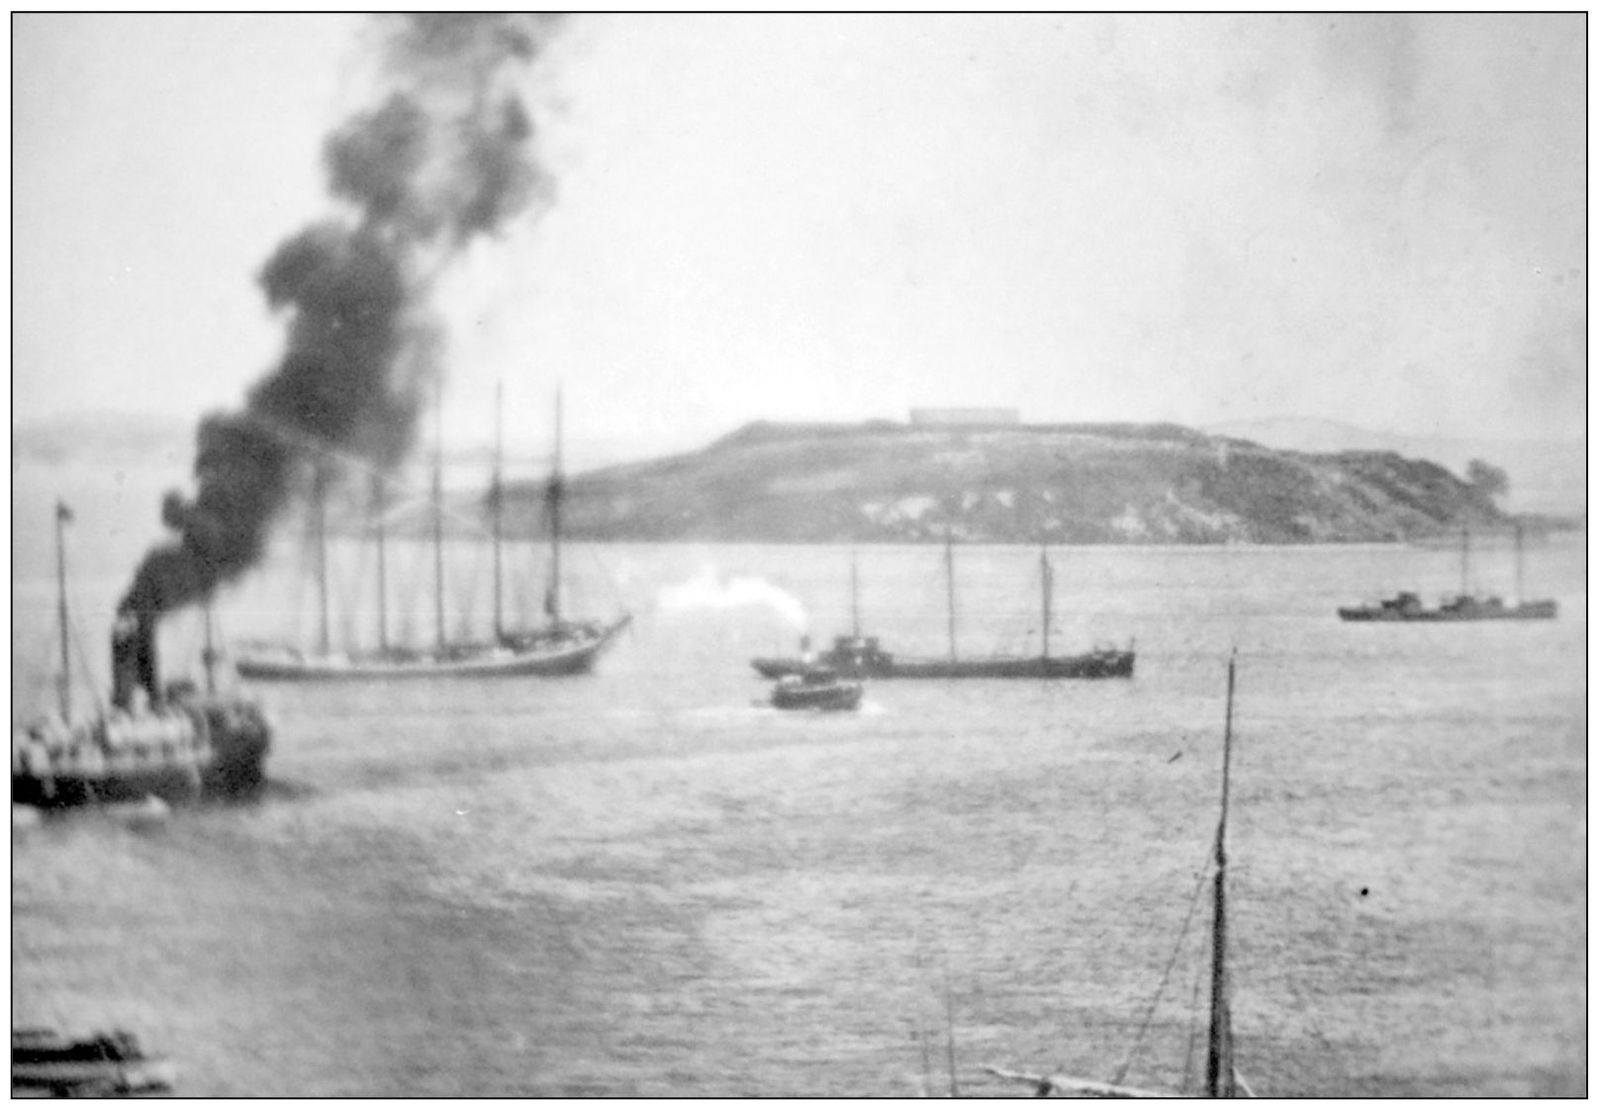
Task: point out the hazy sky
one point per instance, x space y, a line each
1377 220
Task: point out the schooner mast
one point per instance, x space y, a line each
1046 605
64 683
383 578
438 512
857 632
572 649
320 530
496 497
951 600
554 493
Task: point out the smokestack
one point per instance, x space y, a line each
446 158
133 659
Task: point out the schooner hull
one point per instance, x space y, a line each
537 660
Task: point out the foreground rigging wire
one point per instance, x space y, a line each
1146 1020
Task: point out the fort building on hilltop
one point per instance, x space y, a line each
961 417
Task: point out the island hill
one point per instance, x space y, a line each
885 482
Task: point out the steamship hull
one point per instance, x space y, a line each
1401 611
205 749
532 656
1094 664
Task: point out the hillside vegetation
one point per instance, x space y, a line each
1081 483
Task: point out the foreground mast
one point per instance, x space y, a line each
1221 1077
1221 1062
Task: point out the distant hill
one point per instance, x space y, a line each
889 482
104 438
1070 483
1545 476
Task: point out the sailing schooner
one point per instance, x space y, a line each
857 656
559 647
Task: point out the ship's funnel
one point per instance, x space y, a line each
133 659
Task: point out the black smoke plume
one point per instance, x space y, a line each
446 156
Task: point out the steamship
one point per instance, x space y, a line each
561 647
177 742
1465 606
857 656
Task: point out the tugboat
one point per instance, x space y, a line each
177 743
858 656
1465 606
816 688
44 1063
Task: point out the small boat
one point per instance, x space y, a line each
1464 606
816 688
177 743
45 1063
1221 1078
857 656
560 647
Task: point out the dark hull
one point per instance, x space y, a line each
1529 611
836 698
531 657
43 1063
1098 664
172 784
230 764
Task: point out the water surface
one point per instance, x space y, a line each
643 882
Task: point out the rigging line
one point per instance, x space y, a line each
77 639
1191 1040
466 596
75 611
606 576
364 468
1152 1007
318 448
322 450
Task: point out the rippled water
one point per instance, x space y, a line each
642 883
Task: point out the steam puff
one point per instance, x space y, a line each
708 591
446 156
